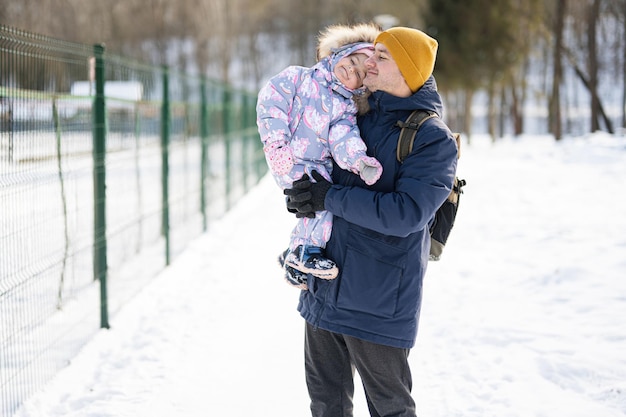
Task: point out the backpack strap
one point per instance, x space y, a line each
408 131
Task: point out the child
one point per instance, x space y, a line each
306 119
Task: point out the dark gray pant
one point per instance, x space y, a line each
330 360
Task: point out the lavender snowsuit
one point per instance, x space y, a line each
307 118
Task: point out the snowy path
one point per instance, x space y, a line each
521 318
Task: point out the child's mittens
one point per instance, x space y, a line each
279 158
370 169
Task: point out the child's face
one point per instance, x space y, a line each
350 70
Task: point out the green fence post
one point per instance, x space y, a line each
99 186
245 142
204 137
258 157
137 130
165 167
226 125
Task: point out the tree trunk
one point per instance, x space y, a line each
518 98
467 120
502 111
557 74
592 61
624 68
491 111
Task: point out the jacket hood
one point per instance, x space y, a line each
336 36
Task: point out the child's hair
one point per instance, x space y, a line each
336 36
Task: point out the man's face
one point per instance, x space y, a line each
383 74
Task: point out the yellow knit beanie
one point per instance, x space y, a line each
414 53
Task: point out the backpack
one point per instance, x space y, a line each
445 215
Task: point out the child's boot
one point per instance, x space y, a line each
309 260
295 278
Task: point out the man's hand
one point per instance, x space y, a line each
307 197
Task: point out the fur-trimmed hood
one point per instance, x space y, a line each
336 36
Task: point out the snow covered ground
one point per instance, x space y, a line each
522 317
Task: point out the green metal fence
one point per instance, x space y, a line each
108 168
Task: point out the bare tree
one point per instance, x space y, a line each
592 62
557 71
581 53
622 9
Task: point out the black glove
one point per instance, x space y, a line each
307 197
289 208
303 184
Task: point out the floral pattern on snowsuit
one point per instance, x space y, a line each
306 118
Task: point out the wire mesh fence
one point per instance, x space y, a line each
108 168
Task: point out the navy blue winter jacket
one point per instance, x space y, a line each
380 237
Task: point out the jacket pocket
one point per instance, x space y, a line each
371 276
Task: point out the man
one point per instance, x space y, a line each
367 318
